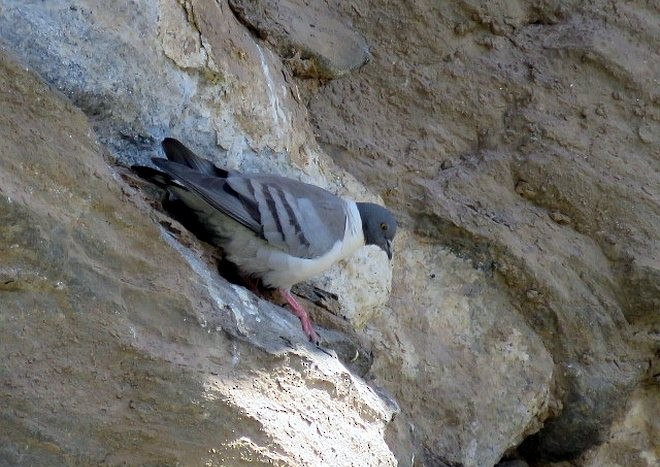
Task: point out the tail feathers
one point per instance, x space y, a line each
177 152
154 176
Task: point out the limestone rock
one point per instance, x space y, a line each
148 70
526 281
313 39
486 375
633 438
121 345
192 71
532 126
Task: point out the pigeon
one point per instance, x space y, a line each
274 229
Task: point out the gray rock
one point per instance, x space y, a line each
143 71
503 321
312 37
511 113
120 343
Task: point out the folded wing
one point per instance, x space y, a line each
300 219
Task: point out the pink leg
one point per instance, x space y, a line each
298 310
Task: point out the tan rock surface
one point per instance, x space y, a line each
510 134
517 143
634 439
115 348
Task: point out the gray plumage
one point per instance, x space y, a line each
279 230
295 217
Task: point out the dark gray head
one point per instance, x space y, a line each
378 226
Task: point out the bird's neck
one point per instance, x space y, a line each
362 212
355 224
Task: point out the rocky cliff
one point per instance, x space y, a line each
516 142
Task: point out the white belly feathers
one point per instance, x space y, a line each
279 269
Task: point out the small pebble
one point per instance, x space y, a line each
497 29
559 218
460 28
525 189
533 294
645 134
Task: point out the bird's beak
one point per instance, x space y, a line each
388 249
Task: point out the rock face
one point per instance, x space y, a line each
308 35
511 135
190 71
486 377
116 348
633 438
516 142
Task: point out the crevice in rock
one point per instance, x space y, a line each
323 306
241 16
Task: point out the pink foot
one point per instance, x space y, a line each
298 310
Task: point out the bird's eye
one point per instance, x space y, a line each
383 226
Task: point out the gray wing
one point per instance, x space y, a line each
304 220
214 190
300 219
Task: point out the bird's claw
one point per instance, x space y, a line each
306 323
308 329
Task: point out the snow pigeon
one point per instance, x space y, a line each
275 229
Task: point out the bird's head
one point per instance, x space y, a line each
378 226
